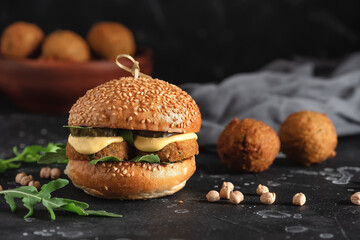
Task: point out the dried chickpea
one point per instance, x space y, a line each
213 196
35 184
55 173
19 176
25 180
261 189
268 198
228 185
299 199
236 197
225 193
355 198
45 172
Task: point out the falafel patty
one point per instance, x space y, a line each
173 152
119 150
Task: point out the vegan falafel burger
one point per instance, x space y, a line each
133 138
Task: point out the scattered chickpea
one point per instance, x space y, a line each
268 198
299 199
225 193
228 185
213 196
25 180
181 202
355 198
261 189
236 197
55 173
19 176
45 172
35 184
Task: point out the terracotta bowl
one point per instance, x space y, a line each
53 86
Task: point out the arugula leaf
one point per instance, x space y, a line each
59 156
106 159
30 197
128 136
66 126
150 158
29 154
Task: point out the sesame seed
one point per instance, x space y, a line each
113 174
106 188
136 95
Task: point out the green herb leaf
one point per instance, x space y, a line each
54 157
150 158
30 154
128 136
66 126
102 213
30 197
106 159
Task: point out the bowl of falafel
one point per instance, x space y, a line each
47 73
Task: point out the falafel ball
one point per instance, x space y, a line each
308 137
65 45
248 145
109 39
20 40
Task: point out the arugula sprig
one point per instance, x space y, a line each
31 196
57 156
78 127
30 154
150 158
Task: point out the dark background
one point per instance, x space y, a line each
208 40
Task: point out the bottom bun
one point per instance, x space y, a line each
129 180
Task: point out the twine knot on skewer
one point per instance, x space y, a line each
134 70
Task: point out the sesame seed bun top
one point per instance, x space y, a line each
137 104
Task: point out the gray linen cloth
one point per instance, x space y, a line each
279 89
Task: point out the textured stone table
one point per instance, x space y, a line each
328 213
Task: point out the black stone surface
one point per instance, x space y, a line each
328 213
